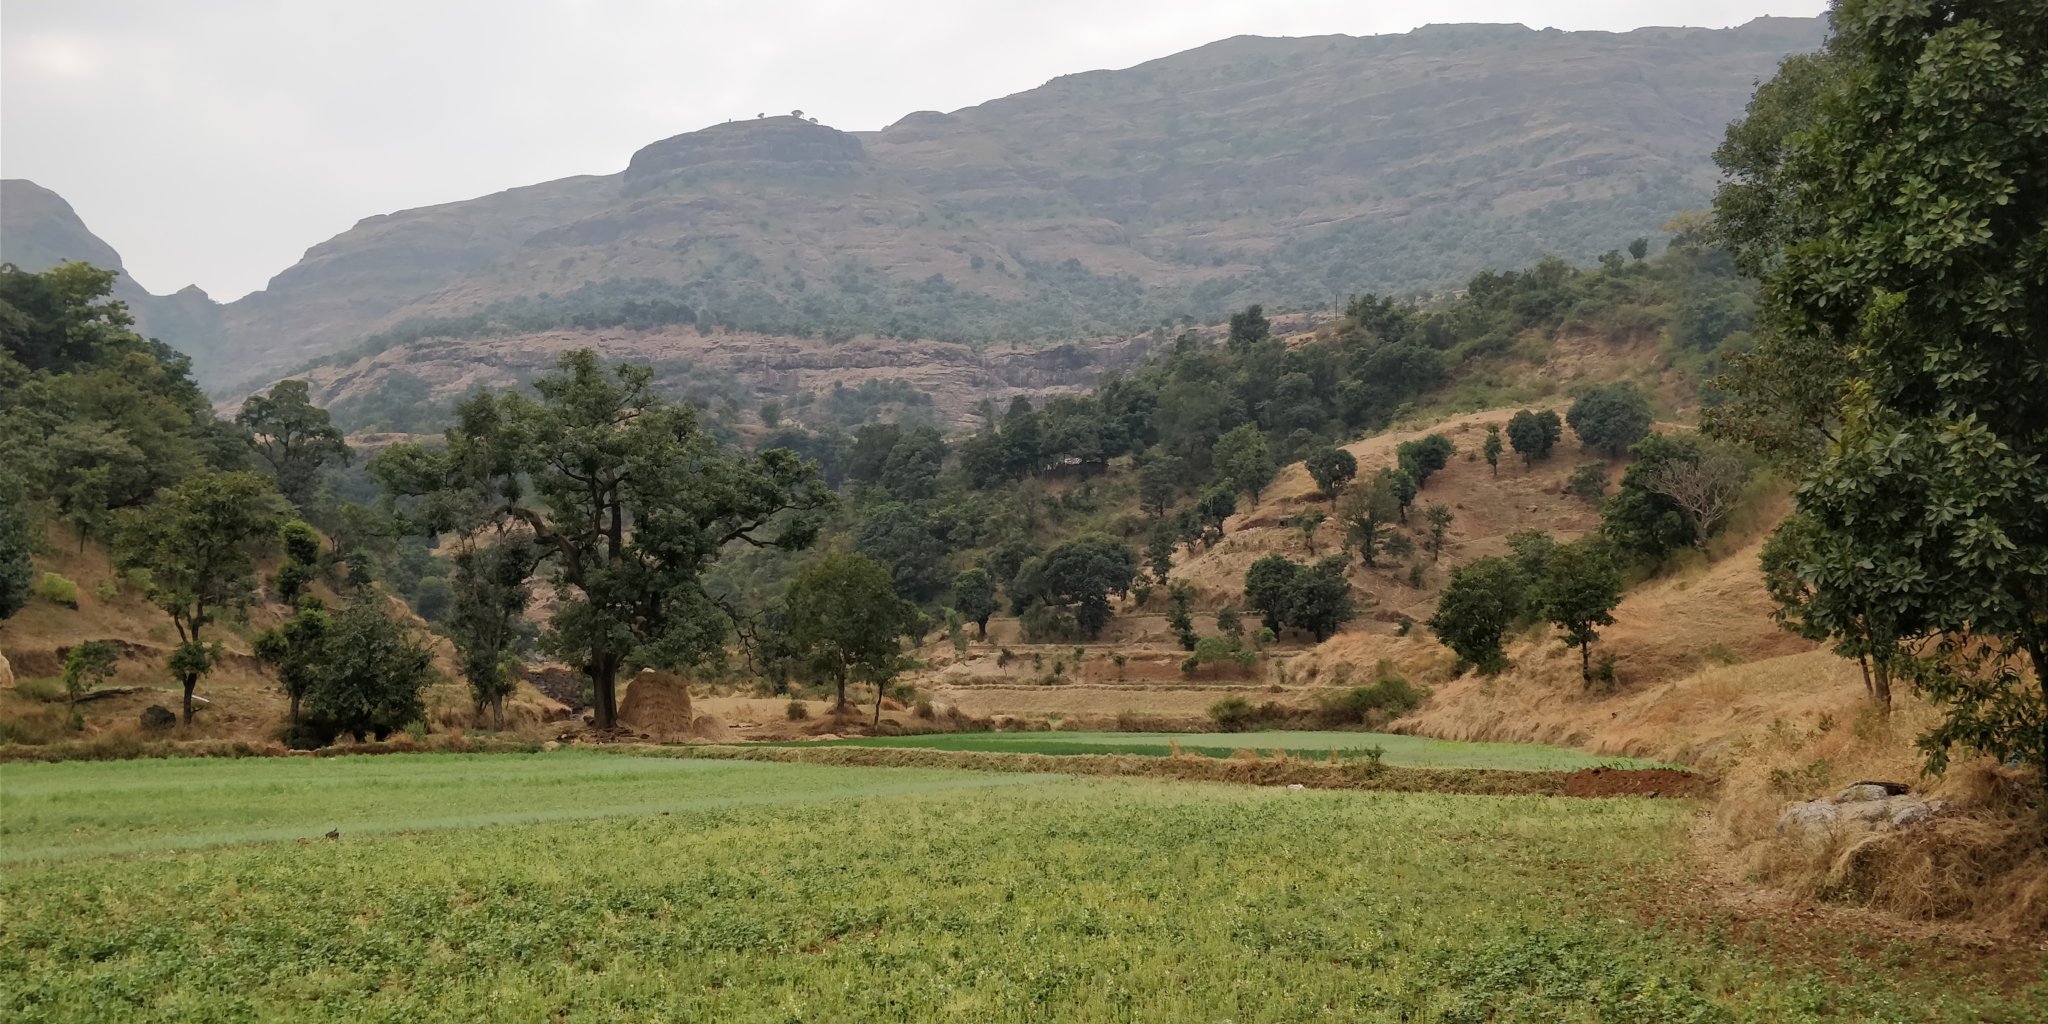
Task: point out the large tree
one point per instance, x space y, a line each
1483 599
974 597
295 650
1578 591
1082 575
371 673
1610 418
198 543
630 499
1244 461
844 620
1893 196
1331 468
293 437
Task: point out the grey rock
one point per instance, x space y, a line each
1862 792
1808 818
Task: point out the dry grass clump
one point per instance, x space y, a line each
1984 858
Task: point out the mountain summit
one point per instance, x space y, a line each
1289 171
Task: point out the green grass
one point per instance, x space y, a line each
774 893
1409 751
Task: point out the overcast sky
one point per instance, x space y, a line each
213 141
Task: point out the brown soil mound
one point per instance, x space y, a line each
563 684
658 705
1636 782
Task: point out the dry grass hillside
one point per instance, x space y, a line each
241 699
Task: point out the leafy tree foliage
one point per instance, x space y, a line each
1331 468
89 665
1440 517
293 437
1492 447
1315 599
297 651
1180 613
1476 609
1081 576
1577 592
904 539
1243 459
1859 627
1160 478
1610 418
17 543
1422 457
1894 196
845 620
1642 518
1534 434
974 597
488 595
93 417
631 500
197 542
1368 511
370 674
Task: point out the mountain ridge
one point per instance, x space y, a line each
1289 171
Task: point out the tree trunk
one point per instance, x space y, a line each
1881 679
982 624
839 709
498 713
1863 662
1586 664
604 685
295 709
191 683
876 728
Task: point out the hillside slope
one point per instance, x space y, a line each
1284 171
39 230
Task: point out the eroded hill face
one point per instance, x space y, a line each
1282 171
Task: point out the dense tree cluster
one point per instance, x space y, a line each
1892 194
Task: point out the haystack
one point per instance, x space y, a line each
658 704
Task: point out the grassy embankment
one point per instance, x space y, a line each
582 886
1408 751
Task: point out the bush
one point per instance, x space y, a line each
1588 482
1236 714
796 711
57 590
311 734
107 590
925 710
40 690
1232 714
1388 698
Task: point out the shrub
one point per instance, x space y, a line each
1386 699
1232 714
57 590
796 711
40 690
925 710
1588 482
106 590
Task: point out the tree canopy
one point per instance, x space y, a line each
1893 195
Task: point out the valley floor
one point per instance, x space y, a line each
579 885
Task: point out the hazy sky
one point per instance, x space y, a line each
213 141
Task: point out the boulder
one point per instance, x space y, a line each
157 717
1864 806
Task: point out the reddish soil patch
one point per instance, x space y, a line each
1636 782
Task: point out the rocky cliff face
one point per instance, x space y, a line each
1285 171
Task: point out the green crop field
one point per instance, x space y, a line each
1411 751
599 887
